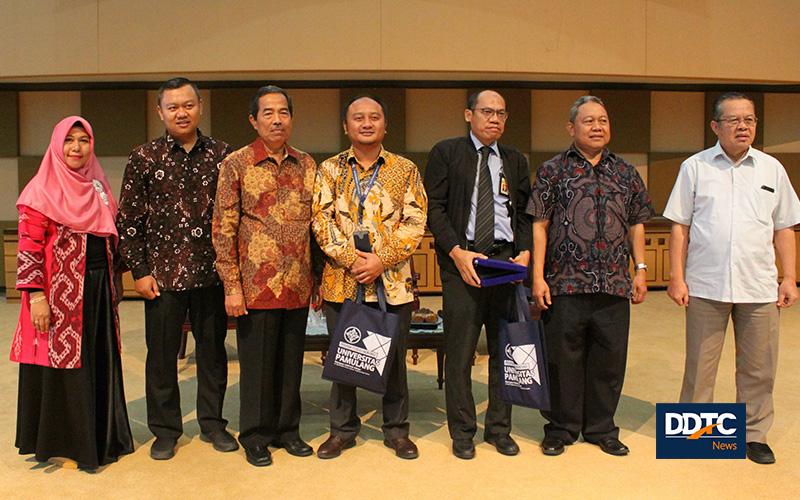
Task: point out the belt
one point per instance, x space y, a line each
497 247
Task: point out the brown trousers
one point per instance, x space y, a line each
755 330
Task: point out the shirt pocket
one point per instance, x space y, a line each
765 203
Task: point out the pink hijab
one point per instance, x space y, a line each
79 199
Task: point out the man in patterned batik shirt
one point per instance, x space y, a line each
164 225
262 235
589 207
393 214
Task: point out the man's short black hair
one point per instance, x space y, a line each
727 96
269 89
176 83
362 96
472 100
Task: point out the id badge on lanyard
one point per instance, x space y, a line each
503 185
362 197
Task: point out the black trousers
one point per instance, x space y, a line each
270 345
466 309
587 347
343 412
163 318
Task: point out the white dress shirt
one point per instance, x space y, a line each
733 210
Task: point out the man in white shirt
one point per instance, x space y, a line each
733 208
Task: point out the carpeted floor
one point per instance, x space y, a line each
370 470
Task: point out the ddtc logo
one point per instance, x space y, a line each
700 430
694 426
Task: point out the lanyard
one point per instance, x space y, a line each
362 197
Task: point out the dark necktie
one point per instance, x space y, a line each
484 213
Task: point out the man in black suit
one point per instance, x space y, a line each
477 194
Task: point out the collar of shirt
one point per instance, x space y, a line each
383 157
261 154
607 158
478 144
718 153
172 143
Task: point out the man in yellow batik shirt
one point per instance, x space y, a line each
389 206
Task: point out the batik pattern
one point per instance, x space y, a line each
395 213
262 227
590 209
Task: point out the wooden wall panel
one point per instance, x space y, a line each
229 120
661 172
677 121
629 112
513 35
243 36
549 118
720 39
433 115
38 114
9 128
791 162
316 125
780 127
118 117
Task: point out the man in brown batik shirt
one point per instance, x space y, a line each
262 235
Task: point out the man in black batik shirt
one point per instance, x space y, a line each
164 223
589 208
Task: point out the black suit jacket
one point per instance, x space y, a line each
449 183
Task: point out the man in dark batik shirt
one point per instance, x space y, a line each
589 207
164 224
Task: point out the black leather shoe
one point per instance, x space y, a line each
163 448
258 456
296 447
613 446
221 440
505 444
333 446
403 447
552 446
463 449
760 453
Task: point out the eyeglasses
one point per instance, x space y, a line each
735 121
487 113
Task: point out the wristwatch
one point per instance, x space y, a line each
640 265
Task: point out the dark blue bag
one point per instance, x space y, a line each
363 344
523 371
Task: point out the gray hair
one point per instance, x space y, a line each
727 96
573 111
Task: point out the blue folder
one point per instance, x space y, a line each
494 272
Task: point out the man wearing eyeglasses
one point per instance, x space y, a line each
477 191
589 207
740 208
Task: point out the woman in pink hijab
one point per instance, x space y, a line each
71 400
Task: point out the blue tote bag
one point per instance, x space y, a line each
523 371
363 344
